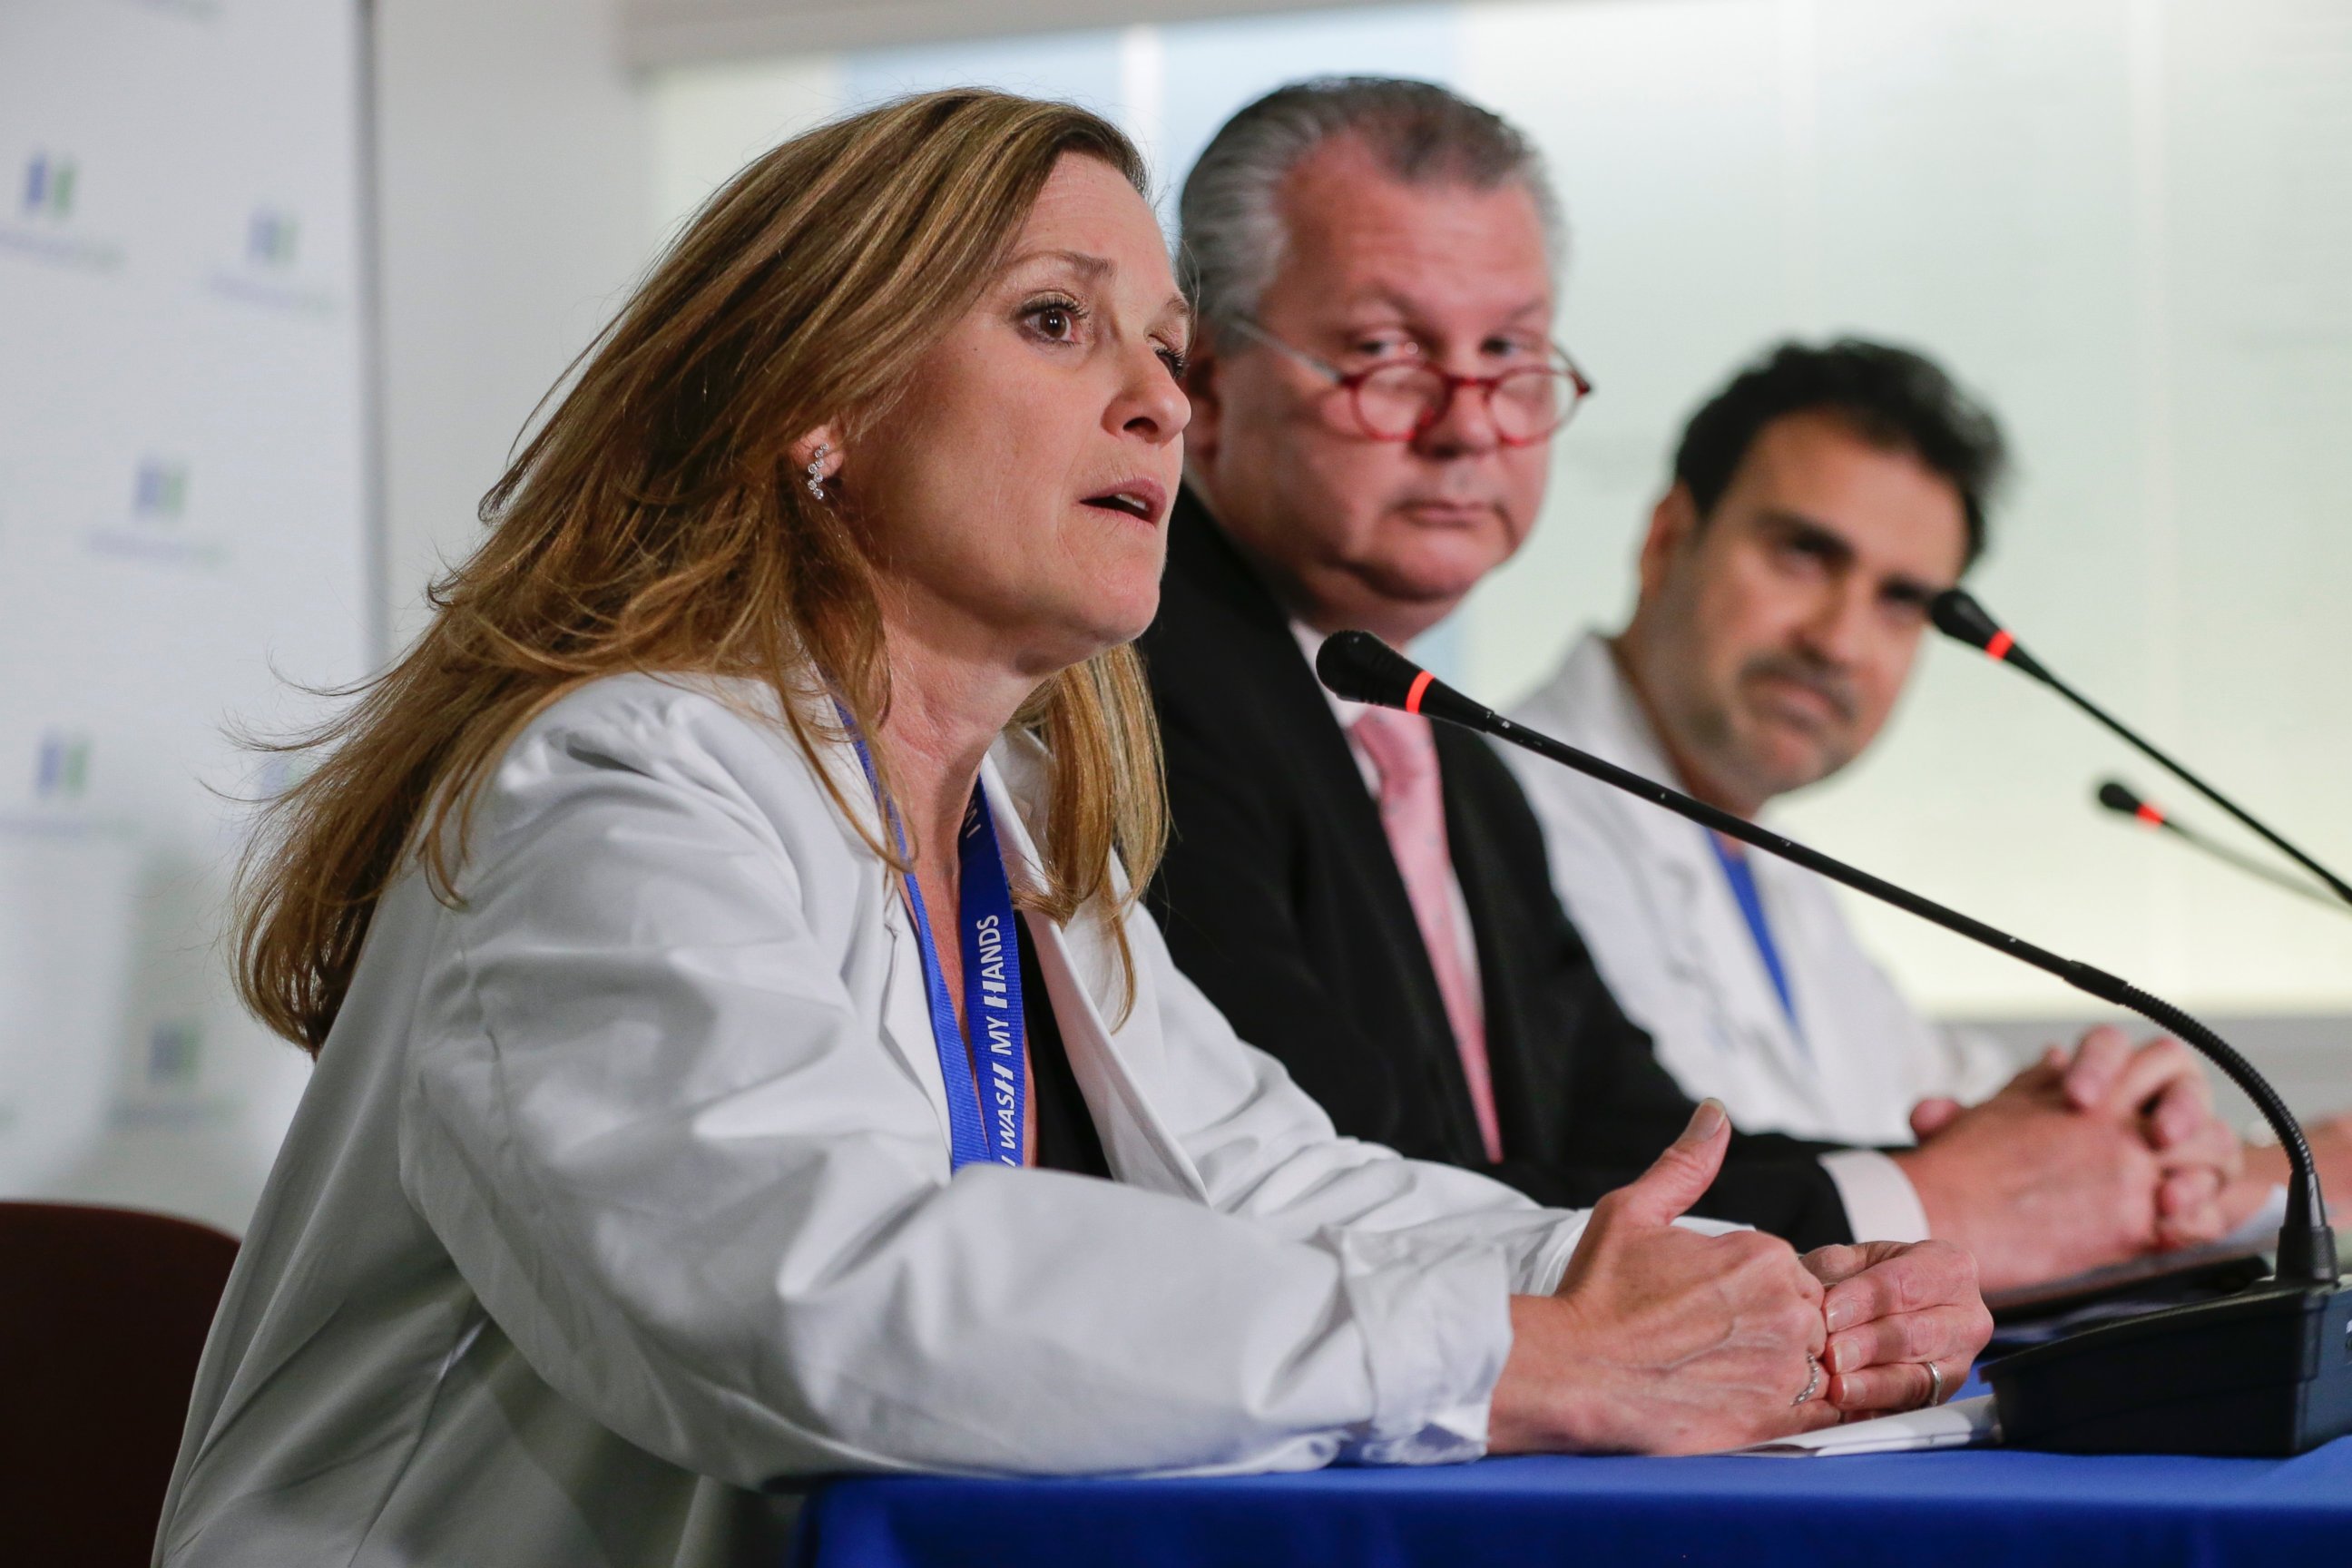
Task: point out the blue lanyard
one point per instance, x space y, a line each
1750 899
988 1080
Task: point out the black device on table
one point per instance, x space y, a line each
2266 1369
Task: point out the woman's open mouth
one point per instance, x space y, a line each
1144 499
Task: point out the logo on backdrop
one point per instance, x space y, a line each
151 530
268 273
49 186
165 1094
161 489
61 766
41 225
270 237
174 1053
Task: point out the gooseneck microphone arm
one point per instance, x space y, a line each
1958 615
1358 665
2118 799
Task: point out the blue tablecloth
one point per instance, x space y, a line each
1978 1508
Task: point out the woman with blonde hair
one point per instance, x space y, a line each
739 1054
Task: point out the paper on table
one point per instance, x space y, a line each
1953 1425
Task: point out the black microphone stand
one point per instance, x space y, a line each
1958 615
2266 1370
2118 799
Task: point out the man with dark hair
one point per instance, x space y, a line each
1890 398
1374 394
1819 501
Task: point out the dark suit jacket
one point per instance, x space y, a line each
1280 899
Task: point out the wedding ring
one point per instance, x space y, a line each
1812 1379
1935 1384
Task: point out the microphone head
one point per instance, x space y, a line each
2118 798
1958 615
1361 668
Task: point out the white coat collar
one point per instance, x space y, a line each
1594 706
1590 704
1080 964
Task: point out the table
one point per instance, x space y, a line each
1978 1507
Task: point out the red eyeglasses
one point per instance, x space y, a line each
1402 400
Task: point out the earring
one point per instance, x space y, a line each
816 473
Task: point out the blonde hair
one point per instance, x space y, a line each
656 522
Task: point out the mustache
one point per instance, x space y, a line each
1812 675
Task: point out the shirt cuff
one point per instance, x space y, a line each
1436 1331
1881 1204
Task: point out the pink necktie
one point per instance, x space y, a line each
1403 751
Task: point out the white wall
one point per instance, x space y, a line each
2124 222
512 156
701 31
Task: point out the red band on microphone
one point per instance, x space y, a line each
2149 815
1413 698
1999 645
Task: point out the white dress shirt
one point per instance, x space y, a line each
621 1191
1654 904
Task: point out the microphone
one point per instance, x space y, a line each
1959 616
2264 1371
2119 799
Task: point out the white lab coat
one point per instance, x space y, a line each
622 1188
1650 899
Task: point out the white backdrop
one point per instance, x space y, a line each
183 518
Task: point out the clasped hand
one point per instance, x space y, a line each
2080 1161
1662 1340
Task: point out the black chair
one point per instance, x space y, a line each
103 1314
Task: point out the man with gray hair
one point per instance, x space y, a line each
1375 389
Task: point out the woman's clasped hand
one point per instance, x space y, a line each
1664 1339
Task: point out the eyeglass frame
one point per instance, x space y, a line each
1352 381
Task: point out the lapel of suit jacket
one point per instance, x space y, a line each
1256 632
1080 963
1225 599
